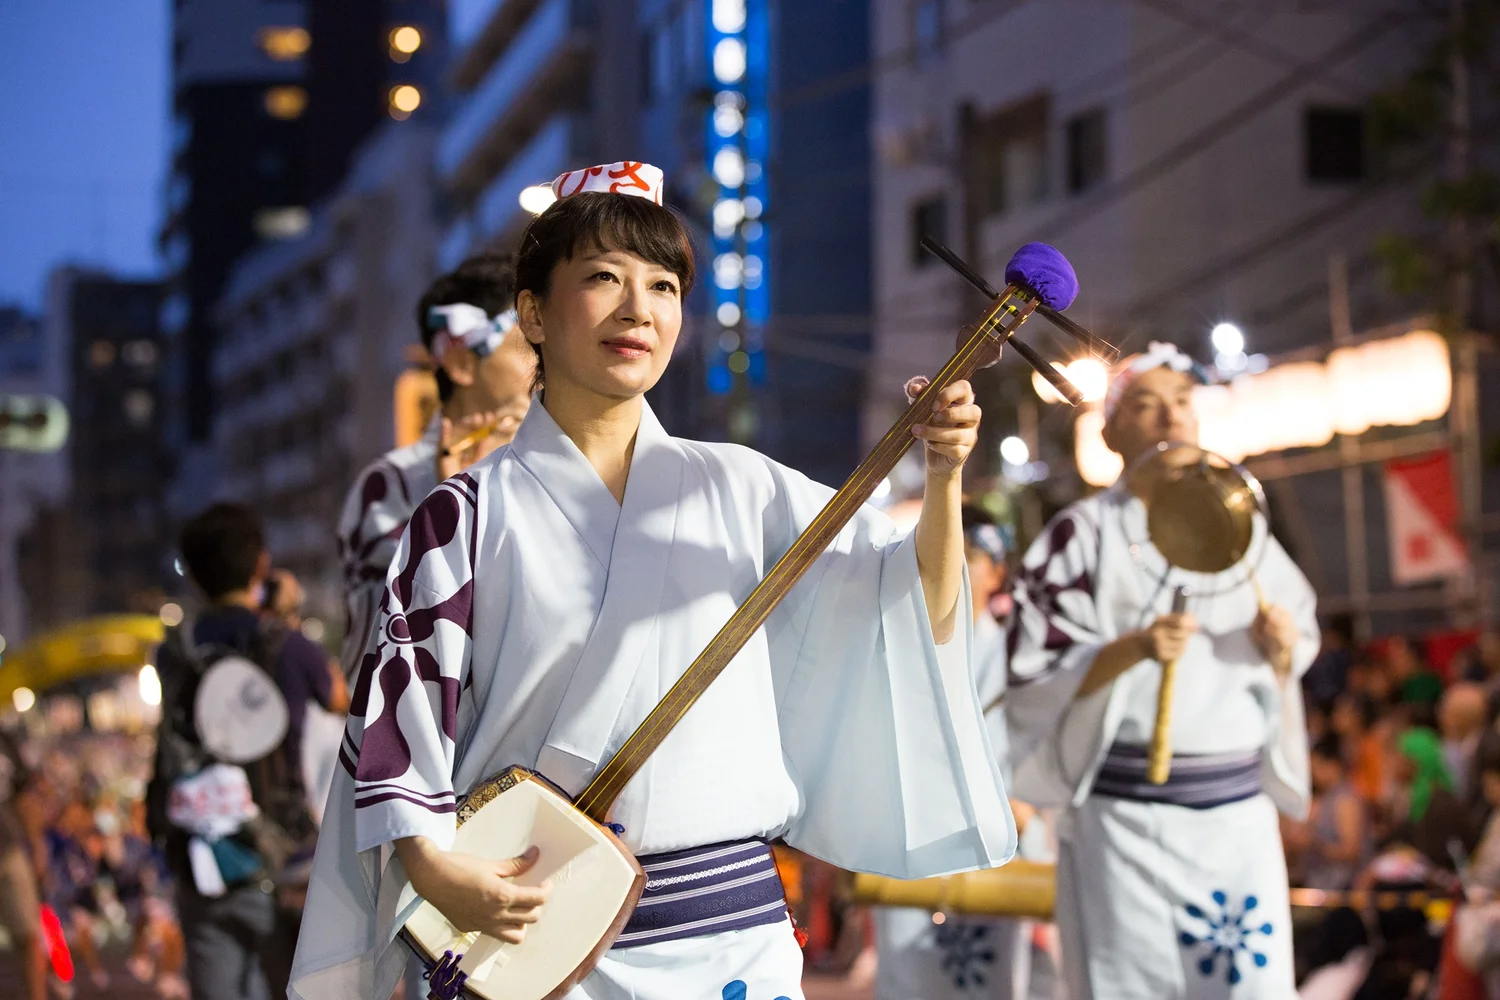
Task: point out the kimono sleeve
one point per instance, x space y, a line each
881 727
396 759
369 530
1053 636
1285 770
403 721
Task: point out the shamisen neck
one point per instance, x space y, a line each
603 429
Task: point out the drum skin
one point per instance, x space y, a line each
596 885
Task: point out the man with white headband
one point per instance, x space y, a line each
1174 891
484 370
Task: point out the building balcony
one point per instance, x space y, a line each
542 71
478 31
497 216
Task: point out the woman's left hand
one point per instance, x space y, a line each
953 429
1275 633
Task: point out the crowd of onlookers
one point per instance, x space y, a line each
1405 770
1404 766
78 821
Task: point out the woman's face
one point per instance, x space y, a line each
608 324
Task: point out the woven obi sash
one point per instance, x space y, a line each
705 890
1197 781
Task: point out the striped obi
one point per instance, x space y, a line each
705 890
1197 781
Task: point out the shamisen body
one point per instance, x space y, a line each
542 602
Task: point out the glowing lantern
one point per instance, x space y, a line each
1218 421
1096 463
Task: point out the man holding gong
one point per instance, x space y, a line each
1178 888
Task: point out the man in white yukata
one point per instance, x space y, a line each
1175 891
963 956
484 370
542 602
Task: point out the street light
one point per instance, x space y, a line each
1088 374
1227 338
1229 347
1014 451
150 685
537 198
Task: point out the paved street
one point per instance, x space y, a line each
858 986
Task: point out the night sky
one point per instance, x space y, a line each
84 132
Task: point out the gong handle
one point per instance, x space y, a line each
1159 763
1159 766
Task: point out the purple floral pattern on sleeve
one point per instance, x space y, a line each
1054 600
403 717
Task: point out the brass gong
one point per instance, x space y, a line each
1200 507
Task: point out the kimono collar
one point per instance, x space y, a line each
550 455
633 542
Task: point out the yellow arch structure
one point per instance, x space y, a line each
101 645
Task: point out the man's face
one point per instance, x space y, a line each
503 378
1158 407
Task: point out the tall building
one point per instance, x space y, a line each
316 332
106 547
522 73
1195 167
30 364
271 98
758 112
237 171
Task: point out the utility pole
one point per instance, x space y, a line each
1464 421
1356 542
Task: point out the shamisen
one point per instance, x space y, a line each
552 617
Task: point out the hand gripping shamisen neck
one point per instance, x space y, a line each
585 673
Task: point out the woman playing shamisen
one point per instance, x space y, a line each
542 602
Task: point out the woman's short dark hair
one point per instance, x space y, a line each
596 220
486 280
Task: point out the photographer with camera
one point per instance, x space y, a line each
226 800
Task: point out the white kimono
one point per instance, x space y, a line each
532 620
1157 900
375 513
963 958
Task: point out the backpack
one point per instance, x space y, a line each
284 826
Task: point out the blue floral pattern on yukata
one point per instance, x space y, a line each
737 990
967 951
1227 933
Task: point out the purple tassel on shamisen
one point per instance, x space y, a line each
447 982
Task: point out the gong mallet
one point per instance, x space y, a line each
1098 346
1159 765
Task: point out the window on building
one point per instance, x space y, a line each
926 28
284 43
286 102
1334 141
1086 151
929 217
1006 157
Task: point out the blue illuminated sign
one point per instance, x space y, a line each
737 149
